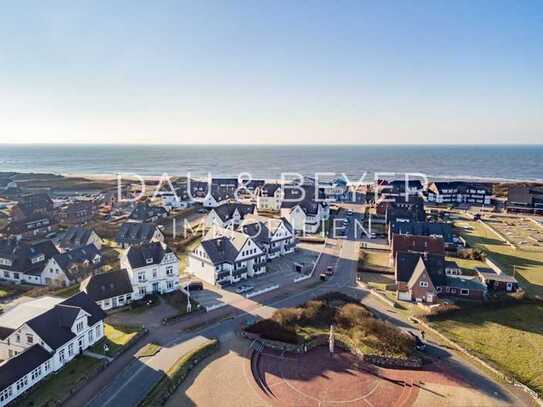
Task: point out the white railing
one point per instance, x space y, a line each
262 291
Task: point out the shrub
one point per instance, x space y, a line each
287 316
272 330
349 315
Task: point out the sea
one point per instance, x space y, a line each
356 162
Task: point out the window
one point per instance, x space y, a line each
142 291
423 283
61 356
91 336
141 277
169 270
453 290
29 338
70 349
47 366
169 284
80 325
18 338
98 331
438 289
464 291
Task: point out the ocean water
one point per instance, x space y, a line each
459 162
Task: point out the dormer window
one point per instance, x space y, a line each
149 261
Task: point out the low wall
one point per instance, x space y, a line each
264 290
343 343
214 307
301 278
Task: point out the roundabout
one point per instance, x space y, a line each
318 378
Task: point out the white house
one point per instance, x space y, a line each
305 216
109 290
41 336
22 262
225 257
228 215
274 236
71 267
269 197
153 268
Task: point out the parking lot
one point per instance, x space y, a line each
279 272
522 232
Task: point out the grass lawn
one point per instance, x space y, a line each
115 337
58 386
5 291
66 292
511 338
376 280
375 259
178 300
467 265
151 349
528 264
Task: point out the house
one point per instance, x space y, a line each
274 236
427 277
269 197
225 256
466 287
525 199
131 234
229 214
23 262
304 208
77 236
460 192
145 213
109 290
399 188
416 244
77 213
65 269
497 282
40 337
32 227
31 205
436 229
153 268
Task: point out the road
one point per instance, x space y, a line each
128 380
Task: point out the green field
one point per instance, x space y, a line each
375 260
511 338
527 265
115 337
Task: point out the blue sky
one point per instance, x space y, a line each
271 72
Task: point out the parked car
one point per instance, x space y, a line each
350 212
202 210
329 271
195 286
323 276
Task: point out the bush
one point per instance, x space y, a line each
287 316
349 315
272 330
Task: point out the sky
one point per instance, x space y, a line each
272 72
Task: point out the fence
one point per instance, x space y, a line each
264 290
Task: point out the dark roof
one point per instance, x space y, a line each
5 332
420 244
268 189
405 264
226 211
15 368
136 233
412 214
70 262
83 301
220 250
75 237
22 255
444 230
107 285
144 212
398 186
460 187
154 252
470 283
30 203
